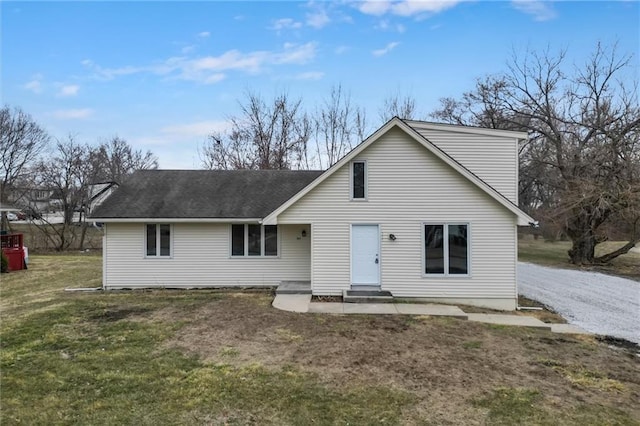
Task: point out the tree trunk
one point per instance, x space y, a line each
606 258
579 229
583 250
82 235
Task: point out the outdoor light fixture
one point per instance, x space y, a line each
304 233
392 237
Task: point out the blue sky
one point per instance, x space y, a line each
162 75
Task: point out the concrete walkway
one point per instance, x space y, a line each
302 303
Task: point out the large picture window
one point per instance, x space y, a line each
158 240
446 249
254 240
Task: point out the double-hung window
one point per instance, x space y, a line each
359 180
446 249
158 240
254 240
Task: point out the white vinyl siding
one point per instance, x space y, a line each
200 258
407 187
492 159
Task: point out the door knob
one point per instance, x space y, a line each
377 261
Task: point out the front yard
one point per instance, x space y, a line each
206 357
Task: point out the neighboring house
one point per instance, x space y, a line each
36 199
418 209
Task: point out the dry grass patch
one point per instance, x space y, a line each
555 254
446 363
205 357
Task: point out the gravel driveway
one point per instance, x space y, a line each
598 303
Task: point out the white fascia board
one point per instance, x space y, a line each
512 134
173 220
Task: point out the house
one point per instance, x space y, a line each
36 199
422 210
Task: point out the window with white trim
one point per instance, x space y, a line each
254 240
158 240
446 249
359 180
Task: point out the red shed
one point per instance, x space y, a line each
13 248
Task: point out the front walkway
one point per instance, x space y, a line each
302 303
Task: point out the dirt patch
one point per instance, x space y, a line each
326 299
445 361
118 313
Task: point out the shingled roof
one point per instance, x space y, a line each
203 194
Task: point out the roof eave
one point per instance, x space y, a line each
468 129
174 220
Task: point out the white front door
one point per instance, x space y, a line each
365 256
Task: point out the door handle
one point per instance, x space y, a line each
377 261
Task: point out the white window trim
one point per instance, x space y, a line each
144 239
246 242
445 248
366 181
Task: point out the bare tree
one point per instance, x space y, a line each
270 135
115 159
21 142
67 173
581 162
337 125
397 105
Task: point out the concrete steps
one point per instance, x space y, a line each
366 296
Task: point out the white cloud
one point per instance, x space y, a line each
72 114
540 10
68 90
388 48
187 49
204 34
406 7
385 25
212 69
286 24
310 75
195 129
295 54
373 7
318 19
341 49
35 85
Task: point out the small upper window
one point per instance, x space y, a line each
358 180
158 240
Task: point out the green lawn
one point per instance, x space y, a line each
206 357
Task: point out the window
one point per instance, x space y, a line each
254 240
446 249
359 178
158 240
